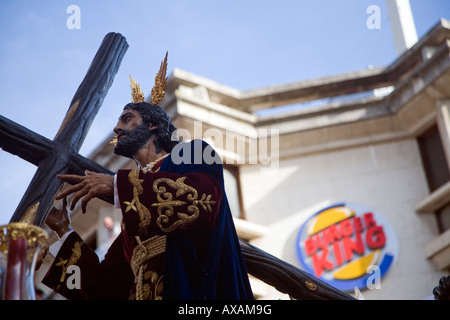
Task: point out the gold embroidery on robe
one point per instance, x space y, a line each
166 203
149 284
136 205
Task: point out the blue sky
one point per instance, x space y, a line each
243 44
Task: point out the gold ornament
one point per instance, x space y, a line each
160 82
136 93
114 140
157 90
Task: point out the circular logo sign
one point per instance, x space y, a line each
347 245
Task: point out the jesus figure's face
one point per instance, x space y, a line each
132 133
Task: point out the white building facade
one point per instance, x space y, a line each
378 139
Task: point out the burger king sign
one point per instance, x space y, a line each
346 244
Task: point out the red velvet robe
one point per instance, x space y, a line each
154 204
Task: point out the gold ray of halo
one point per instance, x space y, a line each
136 93
160 82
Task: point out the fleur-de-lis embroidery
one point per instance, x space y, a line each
166 203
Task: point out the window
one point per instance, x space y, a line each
232 189
436 170
443 218
433 158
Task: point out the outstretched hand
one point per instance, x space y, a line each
58 219
87 187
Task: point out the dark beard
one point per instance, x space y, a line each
135 139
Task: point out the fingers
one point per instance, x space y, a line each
79 188
70 177
85 200
89 186
84 191
64 204
87 194
70 190
57 217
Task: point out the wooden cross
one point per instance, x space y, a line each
60 155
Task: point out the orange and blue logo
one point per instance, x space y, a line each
342 244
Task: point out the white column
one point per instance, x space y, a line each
443 121
402 24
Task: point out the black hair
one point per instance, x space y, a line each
155 115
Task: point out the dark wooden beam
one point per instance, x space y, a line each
23 142
61 155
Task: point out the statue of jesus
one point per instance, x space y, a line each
178 240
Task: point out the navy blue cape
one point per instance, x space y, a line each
222 275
